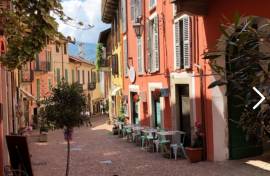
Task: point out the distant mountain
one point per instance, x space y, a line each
88 48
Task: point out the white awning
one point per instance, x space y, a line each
27 94
115 91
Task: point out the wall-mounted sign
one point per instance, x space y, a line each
164 92
132 74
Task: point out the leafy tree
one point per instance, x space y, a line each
64 109
99 53
245 47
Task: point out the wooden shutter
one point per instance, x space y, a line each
140 60
125 57
124 16
132 10
186 42
155 46
177 45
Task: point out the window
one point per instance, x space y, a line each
66 75
49 60
38 89
57 47
88 77
135 9
73 76
65 49
115 64
124 15
50 84
140 56
125 56
93 77
152 3
58 77
37 62
153 45
182 43
78 76
83 77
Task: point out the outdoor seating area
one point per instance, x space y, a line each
169 144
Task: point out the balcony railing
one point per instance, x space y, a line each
43 66
91 86
104 63
27 76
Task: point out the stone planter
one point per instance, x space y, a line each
194 154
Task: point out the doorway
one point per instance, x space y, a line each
183 111
134 107
157 113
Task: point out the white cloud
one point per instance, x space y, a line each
87 11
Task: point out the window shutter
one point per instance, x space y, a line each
177 45
140 61
132 9
116 65
156 45
186 40
124 16
139 8
149 45
125 57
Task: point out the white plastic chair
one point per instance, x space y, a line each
178 143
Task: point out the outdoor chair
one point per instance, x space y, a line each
136 136
178 140
159 140
128 132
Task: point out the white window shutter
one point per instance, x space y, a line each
125 57
140 56
186 40
156 45
177 45
124 16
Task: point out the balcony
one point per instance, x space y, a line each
192 7
92 86
42 66
27 76
108 8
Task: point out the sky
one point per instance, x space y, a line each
87 11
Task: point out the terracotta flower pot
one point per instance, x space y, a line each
194 154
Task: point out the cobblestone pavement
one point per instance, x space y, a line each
95 152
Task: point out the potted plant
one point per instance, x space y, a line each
64 109
194 153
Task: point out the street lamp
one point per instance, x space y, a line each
138 28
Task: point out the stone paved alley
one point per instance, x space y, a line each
95 152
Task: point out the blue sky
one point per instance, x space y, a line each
87 11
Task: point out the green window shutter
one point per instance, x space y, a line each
177 45
140 56
149 45
156 45
83 77
124 16
49 84
139 8
38 89
58 77
78 77
132 10
73 76
66 75
186 42
125 57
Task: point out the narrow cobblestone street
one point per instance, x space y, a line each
95 152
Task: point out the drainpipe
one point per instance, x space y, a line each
199 67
